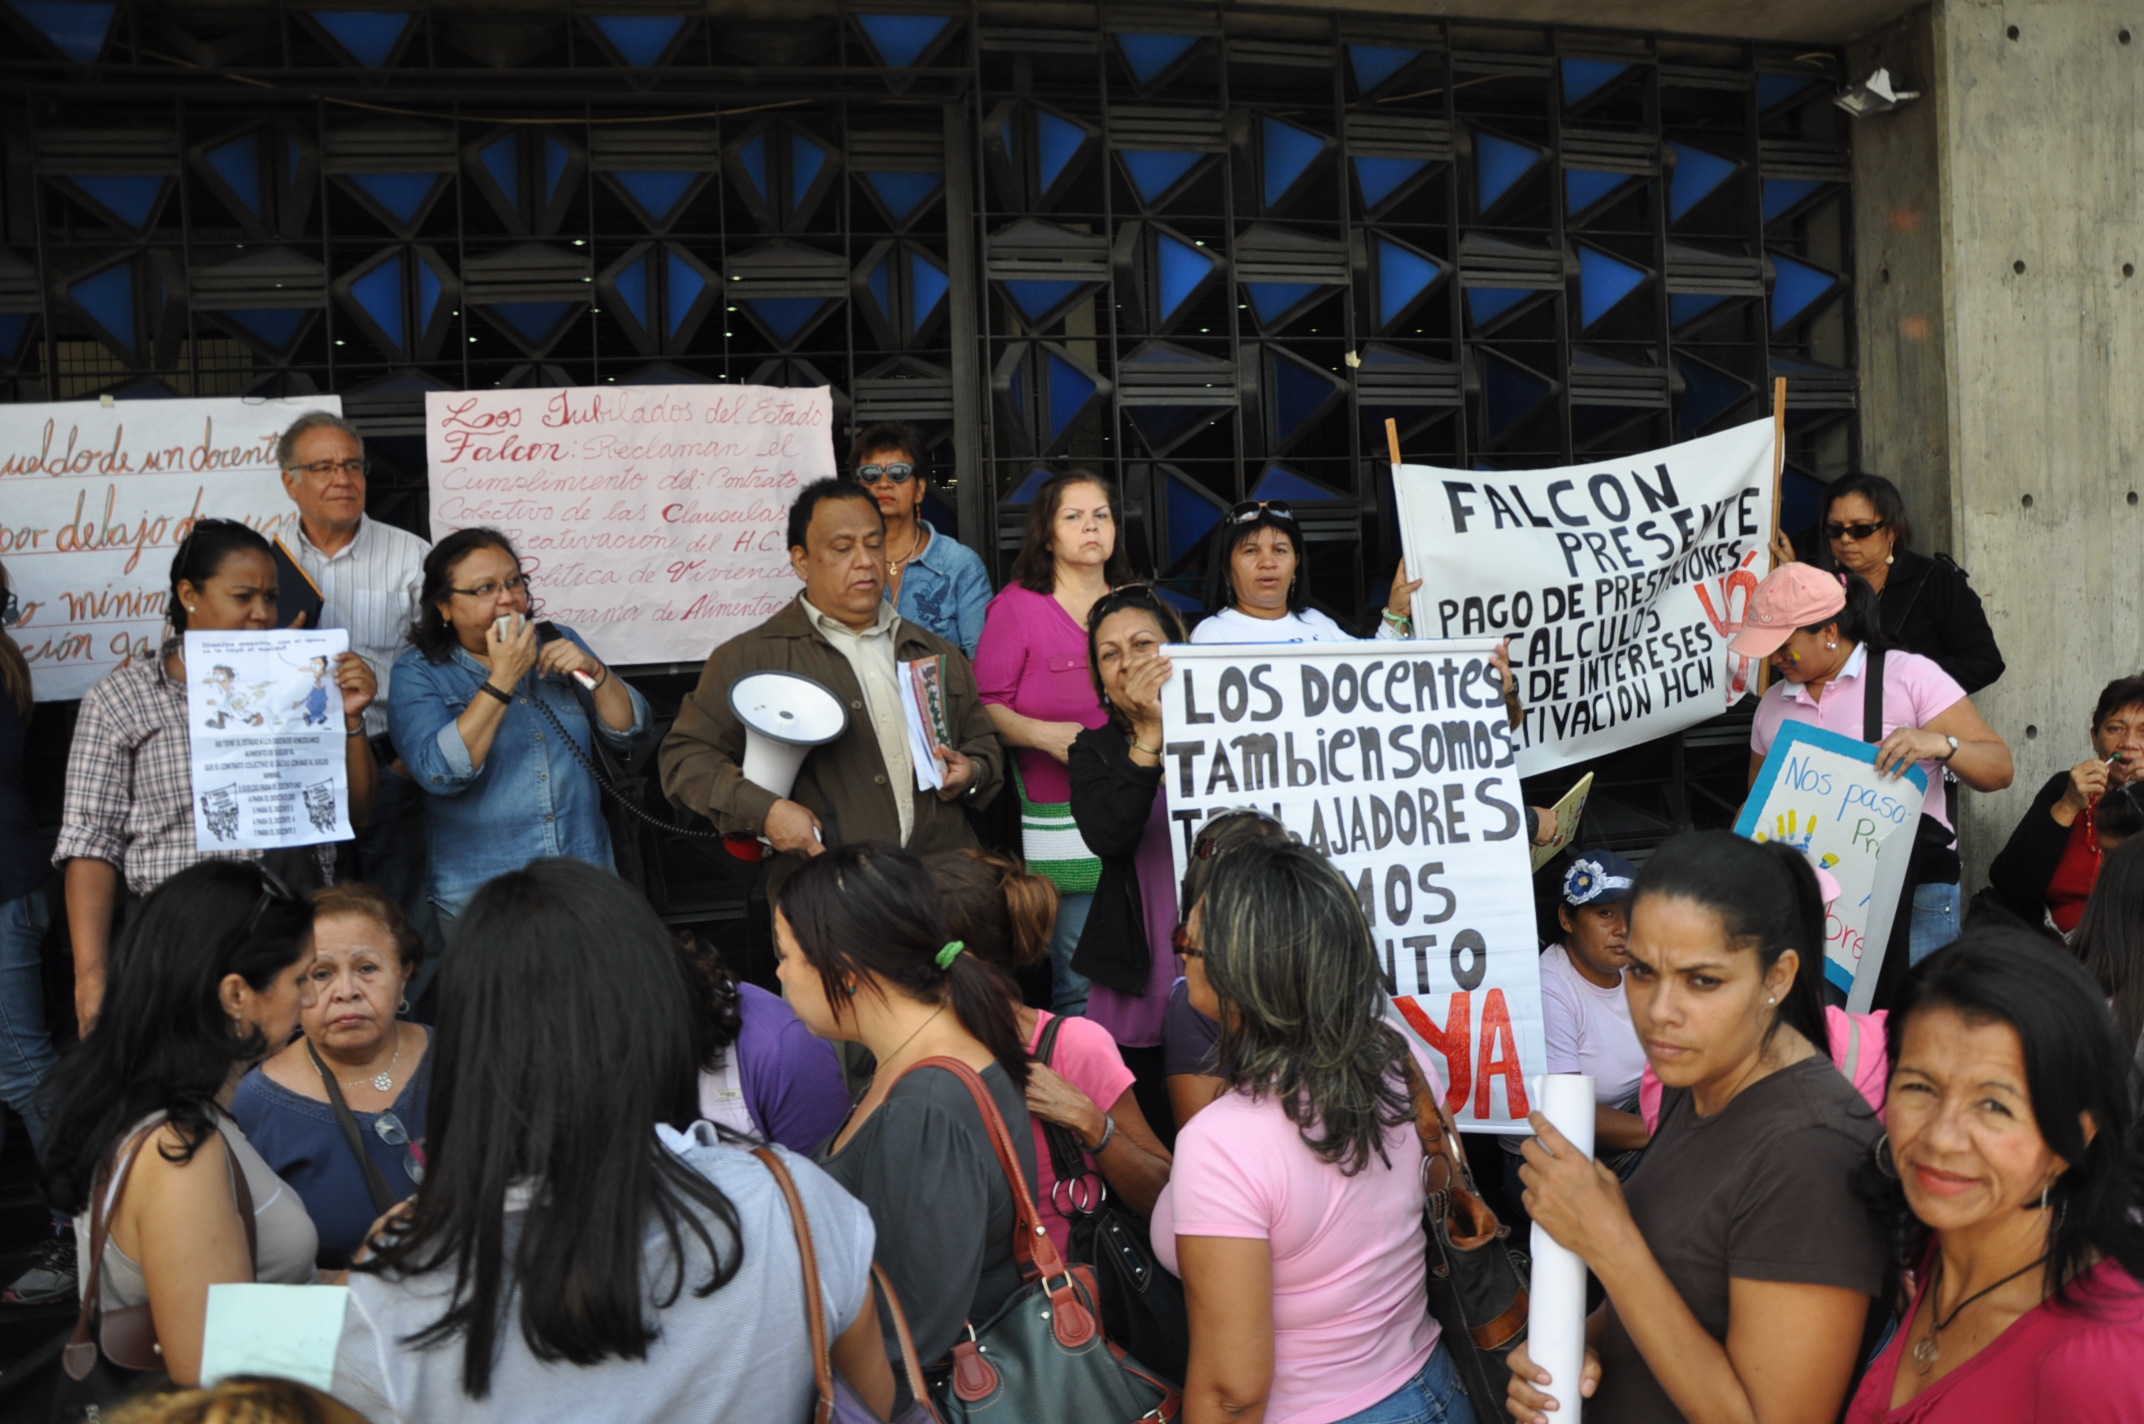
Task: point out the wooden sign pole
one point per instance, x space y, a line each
1779 470
1392 441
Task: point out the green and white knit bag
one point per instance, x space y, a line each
1051 844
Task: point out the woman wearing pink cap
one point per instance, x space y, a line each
1821 632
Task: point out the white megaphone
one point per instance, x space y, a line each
785 715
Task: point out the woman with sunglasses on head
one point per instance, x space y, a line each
1032 670
128 822
354 1082
932 581
206 979
2046 870
490 722
1257 591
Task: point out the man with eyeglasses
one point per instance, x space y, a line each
368 575
932 581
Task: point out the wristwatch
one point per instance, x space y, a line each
1953 749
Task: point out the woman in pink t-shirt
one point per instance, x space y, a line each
1294 1213
2006 1176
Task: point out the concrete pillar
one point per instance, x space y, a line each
1999 234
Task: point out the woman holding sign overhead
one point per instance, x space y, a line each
1258 584
1823 632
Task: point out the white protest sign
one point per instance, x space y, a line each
1395 761
94 500
1619 582
1819 792
264 717
650 519
290 1332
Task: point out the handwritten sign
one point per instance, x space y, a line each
265 722
95 499
1819 792
650 519
1619 583
1395 761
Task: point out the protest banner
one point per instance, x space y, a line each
1394 761
1819 792
1619 583
264 718
650 519
94 500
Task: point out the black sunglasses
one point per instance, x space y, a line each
10 609
1856 532
900 472
1180 937
272 889
1248 511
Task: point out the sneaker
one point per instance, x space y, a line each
50 1278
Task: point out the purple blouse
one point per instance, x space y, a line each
1135 1021
1033 659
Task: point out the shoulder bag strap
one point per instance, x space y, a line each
80 1355
383 1196
1068 1159
1872 697
1469 1222
242 1191
1031 1243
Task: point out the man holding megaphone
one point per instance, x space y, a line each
846 651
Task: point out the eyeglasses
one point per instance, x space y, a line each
10 609
1181 939
272 890
900 472
519 583
322 469
394 1134
1248 511
1856 532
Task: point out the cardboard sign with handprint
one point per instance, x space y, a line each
1820 793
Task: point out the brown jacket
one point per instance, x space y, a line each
843 782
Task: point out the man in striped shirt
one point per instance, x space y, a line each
369 576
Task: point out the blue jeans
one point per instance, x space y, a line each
1068 991
1433 1396
1935 920
25 1047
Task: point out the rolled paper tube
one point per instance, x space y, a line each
1556 1309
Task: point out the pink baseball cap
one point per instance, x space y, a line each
1791 596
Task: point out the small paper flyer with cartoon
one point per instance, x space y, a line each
266 724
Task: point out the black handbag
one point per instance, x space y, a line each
1477 1279
1142 1303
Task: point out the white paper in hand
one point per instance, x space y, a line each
922 699
287 1331
1556 1309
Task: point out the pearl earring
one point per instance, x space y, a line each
1771 1001
1889 559
1834 647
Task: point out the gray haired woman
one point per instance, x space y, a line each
1294 1211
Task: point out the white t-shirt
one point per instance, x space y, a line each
1233 625
1588 1029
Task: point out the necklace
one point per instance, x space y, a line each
1929 1350
385 1078
905 1042
915 540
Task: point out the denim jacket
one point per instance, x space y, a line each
945 590
531 798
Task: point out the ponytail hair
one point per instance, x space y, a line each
869 914
202 552
995 906
1767 898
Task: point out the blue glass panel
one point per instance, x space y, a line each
1183 267
1801 498
752 156
1154 172
659 193
1162 425
502 161
806 158
1037 297
379 294
1698 175
1582 77
1382 177
1151 55
1192 517
532 321
1775 89
369 35
927 286
1280 482
1299 391
1030 487
1486 304
1402 276
1602 282
108 299
401 194
293 160
1374 64
238 164
1057 143
686 284
1797 288
429 291
77 28
13 327
1499 165
1583 187
1686 307
1271 300
1289 152
786 317
901 39
631 285
1781 194
1511 393
879 282
1708 394
639 39
1070 389
903 193
1017 385
130 197
276 328
1183 603
555 158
